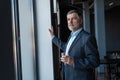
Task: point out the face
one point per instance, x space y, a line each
74 22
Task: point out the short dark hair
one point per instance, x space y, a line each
74 11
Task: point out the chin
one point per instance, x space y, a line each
70 28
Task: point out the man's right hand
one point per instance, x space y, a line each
51 32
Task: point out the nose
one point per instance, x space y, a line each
70 21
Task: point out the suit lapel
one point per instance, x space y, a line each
76 39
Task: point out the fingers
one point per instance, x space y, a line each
51 31
63 59
67 60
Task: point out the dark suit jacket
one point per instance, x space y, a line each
85 54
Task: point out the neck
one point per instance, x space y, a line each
76 29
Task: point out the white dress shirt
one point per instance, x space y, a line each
72 38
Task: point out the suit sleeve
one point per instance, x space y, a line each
91 59
59 43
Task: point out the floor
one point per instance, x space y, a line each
102 76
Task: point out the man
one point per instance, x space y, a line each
81 54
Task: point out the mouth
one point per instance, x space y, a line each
70 25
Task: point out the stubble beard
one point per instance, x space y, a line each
73 27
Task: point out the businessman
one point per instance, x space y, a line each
81 55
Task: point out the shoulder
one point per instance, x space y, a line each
86 36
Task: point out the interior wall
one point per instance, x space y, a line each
27 44
112 17
43 16
112 27
6 44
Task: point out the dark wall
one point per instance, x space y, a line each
112 28
112 18
6 45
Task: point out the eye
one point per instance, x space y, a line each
74 17
68 19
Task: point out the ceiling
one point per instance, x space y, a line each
108 3
111 3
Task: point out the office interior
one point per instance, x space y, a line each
27 52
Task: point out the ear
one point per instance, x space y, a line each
80 20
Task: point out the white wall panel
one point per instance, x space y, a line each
44 40
26 39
